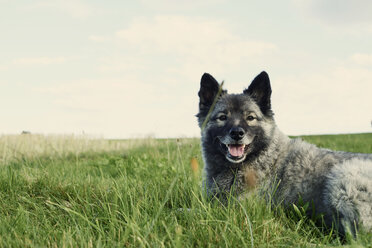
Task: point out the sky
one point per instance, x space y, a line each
131 69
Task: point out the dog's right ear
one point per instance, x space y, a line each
208 91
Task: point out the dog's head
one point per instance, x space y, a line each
238 125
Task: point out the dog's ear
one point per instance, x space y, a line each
260 91
208 91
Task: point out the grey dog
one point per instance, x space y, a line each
243 149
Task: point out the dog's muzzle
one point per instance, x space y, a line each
235 145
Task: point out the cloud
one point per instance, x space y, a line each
362 59
75 8
180 4
339 13
336 100
126 64
199 38
121 107
99 39
91 94
184 47
40 60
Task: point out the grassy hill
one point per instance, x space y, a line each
81 192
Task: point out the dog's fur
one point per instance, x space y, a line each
243 149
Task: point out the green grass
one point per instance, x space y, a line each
80 192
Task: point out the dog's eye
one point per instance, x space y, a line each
250 118
222 117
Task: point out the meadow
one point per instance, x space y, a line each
74 191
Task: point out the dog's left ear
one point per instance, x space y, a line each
260 91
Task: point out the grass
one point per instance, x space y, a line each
80 192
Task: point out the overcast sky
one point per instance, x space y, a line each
123 69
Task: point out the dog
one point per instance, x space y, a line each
243 149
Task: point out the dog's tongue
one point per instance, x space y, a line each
236 150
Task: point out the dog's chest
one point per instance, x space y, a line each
250 179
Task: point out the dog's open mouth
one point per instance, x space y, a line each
235 153
236 150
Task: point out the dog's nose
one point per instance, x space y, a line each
237 133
